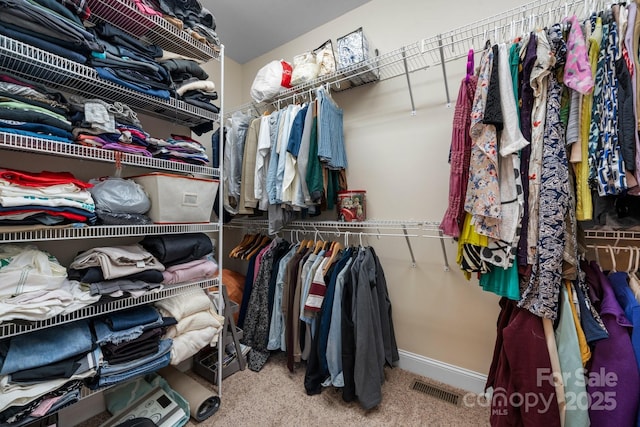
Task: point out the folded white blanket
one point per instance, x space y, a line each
186 345
184 305
199 320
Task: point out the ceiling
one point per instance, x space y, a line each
251 28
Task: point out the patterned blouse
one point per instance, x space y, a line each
483 193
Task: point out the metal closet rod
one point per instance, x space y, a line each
346 229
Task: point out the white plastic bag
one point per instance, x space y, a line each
270 80
305 68
118 195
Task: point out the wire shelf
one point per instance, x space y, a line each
13 234
432 51
337 226
8 329
612 234
125 15
50 70
45 146
499 28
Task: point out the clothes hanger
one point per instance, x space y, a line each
614 268
634 282
240 246
336 250
260 244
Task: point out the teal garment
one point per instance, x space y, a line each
514 62
502 282
575 391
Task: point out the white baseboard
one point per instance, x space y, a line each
454 376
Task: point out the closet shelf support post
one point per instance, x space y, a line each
406 73
406 236
444 70
444 251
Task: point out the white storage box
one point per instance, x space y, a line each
178 198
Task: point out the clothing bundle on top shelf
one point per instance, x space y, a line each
290 161
545 135
322 303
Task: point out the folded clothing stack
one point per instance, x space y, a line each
198 323
48 198
34 285
38 376
117 271
179 148
33 111
130 343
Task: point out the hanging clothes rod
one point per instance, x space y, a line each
337 229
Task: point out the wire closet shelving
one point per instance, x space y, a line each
433 51
325 230
62 74
11 328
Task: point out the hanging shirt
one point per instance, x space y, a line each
539 82
541 293
459 158
576 414
610 174
483 192
262 161
584 203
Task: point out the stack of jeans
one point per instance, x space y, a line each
38 375
131 344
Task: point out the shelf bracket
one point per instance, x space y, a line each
444 251
406 73
406 236
444 70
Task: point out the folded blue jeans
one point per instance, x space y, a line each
104 334
45 346
151 366
113 369
137 316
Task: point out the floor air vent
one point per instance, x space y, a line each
436 392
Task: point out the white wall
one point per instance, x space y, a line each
401 161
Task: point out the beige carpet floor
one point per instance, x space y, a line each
276 397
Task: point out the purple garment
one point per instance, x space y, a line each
614 380
525 125
127 149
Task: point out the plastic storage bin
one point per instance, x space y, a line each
178 198
353 49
